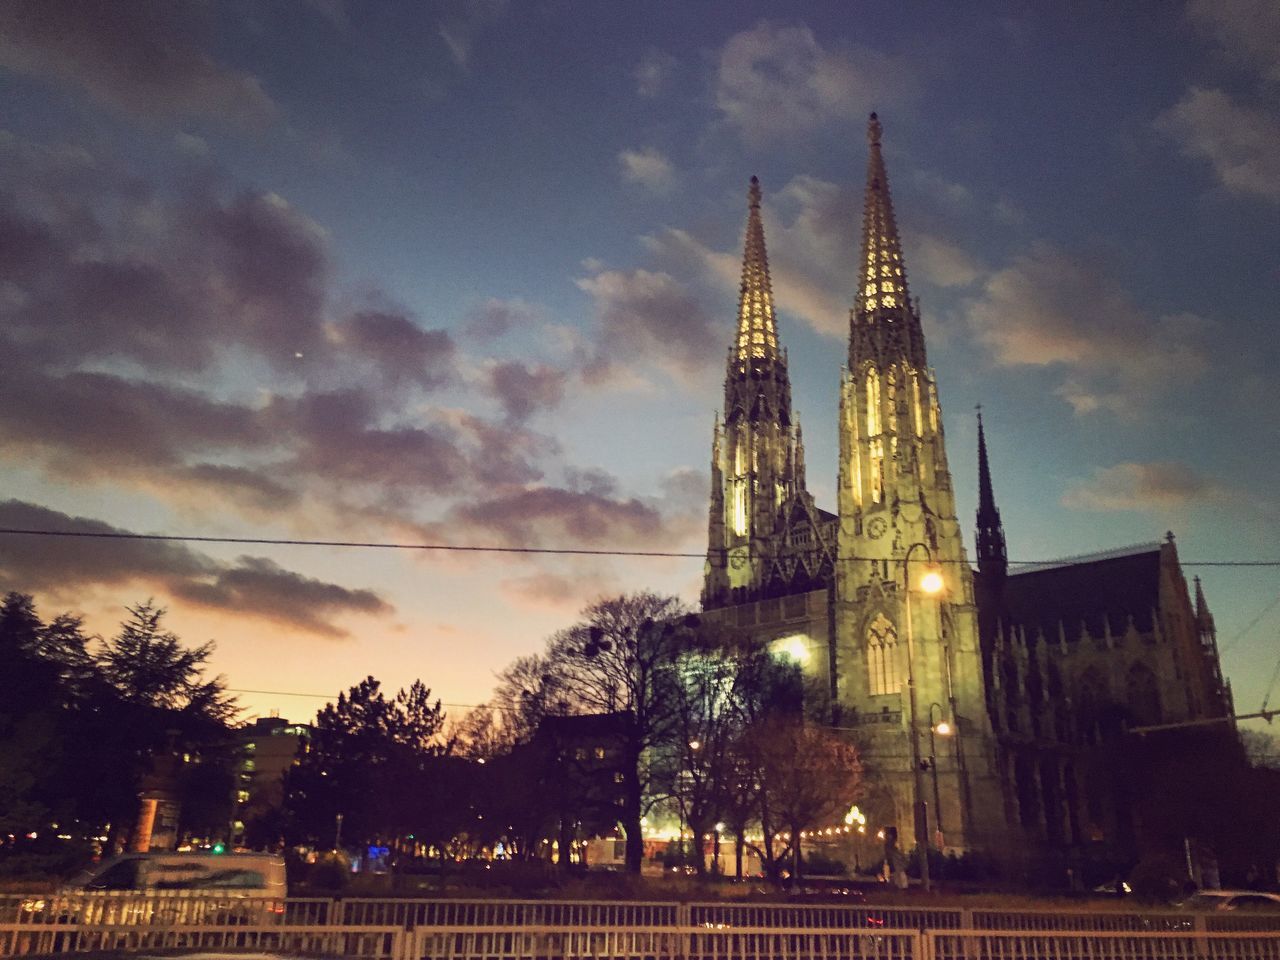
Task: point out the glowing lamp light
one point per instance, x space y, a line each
793 647
931 582
943 729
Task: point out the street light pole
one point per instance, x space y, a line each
942 729
932 583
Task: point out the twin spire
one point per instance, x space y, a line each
882 278
757 328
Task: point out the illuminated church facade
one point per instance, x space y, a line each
1003 678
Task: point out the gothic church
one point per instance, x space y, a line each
993 682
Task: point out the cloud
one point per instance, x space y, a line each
1242 145
653 72
524 390
1247 32
1141 486
472 19
563 517
648 168
651 315
143 58
1048 309
776 82
251 586
943 263
260 587
110 270
495 318
399 349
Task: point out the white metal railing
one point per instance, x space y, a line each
678 942
359 943
639 929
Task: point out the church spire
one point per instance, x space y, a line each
992 558
757 330
882 279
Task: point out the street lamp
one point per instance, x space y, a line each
930 583
943 729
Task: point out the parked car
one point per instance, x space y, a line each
1252 901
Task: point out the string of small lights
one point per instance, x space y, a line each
482 548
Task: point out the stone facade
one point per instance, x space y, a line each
1013 668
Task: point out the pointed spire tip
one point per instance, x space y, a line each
873 129
753 192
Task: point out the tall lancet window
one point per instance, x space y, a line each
873 402
891 388
738 503
739 518
882 657
876 457
916 413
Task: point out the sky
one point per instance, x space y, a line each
465 273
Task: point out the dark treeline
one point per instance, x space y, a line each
640 712
84 719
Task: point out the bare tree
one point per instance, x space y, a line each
806 776
622 659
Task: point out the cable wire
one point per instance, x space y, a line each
476 548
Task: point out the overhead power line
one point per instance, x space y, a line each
478 548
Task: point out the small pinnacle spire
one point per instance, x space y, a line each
992 556
757 329
986 496
873 130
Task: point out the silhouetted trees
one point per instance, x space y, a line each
82 720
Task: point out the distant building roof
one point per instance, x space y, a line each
1110 586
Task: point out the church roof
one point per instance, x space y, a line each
1096 591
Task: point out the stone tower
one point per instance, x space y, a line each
898 521
757 456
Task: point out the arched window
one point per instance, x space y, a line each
1142 692
882 657
877 470
873 402
917 413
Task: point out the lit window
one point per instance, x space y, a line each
877 470
890 300
740 507
917 415
618 777
882 657
871 304
242 796
873 402
599 753
871 289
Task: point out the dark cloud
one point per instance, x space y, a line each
251 586
778 82
555 516
651 315
1240 143
495 318
167 282
1159 486
524 390
99 424
1247 32
142 57
401 350
1049 309
261 587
